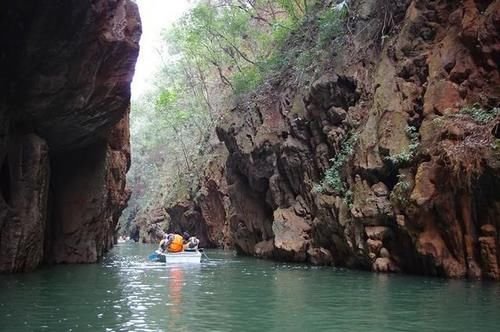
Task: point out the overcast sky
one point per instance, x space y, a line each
156 15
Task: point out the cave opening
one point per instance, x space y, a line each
5 181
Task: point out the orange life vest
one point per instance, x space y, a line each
177 244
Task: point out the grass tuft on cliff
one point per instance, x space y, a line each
480 114
470 142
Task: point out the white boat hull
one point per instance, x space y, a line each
193 257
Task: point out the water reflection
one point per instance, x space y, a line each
228 293
174 304
60 298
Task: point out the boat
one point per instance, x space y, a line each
122 239
185 256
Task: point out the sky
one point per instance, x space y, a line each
156 15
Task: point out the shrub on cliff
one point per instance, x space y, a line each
406 157
333 177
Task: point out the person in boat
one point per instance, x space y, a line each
164 242
175 243
190 242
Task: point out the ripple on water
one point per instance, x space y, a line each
231 293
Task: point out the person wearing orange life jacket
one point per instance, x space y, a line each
176 243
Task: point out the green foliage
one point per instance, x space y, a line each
275 63
219 49
230 39
401 192
242 43
247 80
406 157
331 24
333 175
348 198
165 98
296 9
481 115
169 126
307 57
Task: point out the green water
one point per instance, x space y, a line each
231 293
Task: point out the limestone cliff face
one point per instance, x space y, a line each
64 145
420 178
206 214
202 211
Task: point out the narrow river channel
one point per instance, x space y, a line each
125 292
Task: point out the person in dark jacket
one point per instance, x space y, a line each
190 242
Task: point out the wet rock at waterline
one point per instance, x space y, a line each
64 139
417 190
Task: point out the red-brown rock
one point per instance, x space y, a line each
66 73
418 189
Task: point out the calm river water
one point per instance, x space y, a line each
230 293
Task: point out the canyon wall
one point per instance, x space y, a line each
415 179
201 210
64 145
205 214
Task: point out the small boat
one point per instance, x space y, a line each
122 239
185 256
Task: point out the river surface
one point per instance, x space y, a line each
125 292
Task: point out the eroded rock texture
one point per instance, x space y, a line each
205 214
420 182
64 146
201 211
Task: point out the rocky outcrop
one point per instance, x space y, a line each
202 211
64 145
415 178
205 213
150 225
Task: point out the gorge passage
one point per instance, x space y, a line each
387 160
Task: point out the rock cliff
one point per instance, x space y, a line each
416 167
201 209
205 213
64 145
